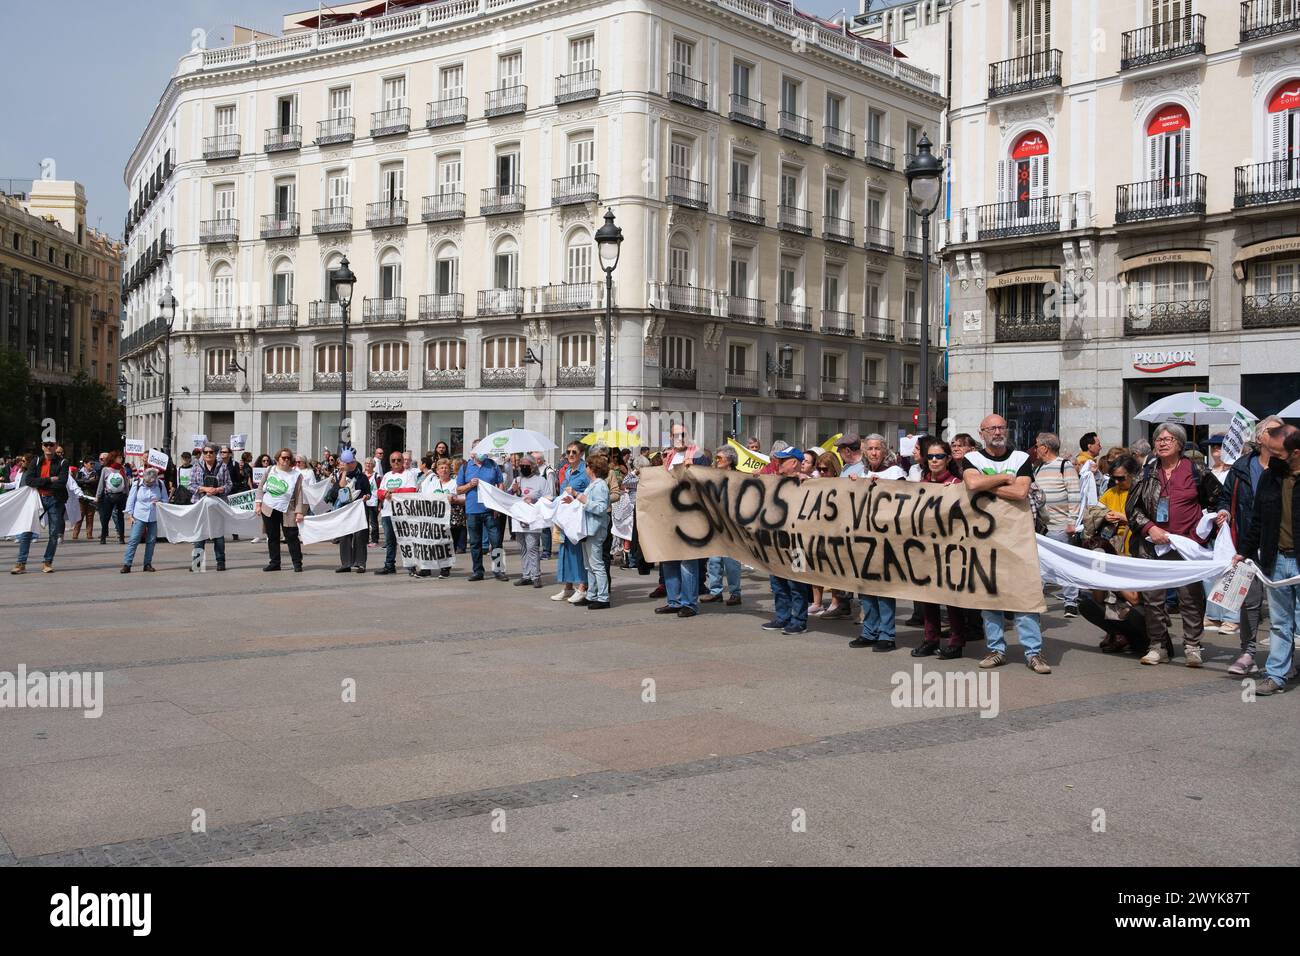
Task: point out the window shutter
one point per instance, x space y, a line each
1002 181
1185 146
1153 157
1276 139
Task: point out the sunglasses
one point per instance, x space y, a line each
939 457
285 458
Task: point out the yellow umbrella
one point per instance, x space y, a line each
613 439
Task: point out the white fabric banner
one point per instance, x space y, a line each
314 493
422 523
209 518
333 524
621 513
1062 563
568 518
20 512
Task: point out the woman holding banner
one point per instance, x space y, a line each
146 492
282 506
569 569
595 507
878 612
936 457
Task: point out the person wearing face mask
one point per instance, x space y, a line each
482 528
532 487
146 492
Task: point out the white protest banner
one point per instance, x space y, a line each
237 442
422 523
20 513
907 446
567 517
198 441
313 492
1230 590
259 474
243 501
210 518
333 524
157 459
134 446
1235 441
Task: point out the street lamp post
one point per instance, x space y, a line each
167 311
343 280
609 238
924 186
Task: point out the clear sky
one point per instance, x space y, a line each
83 77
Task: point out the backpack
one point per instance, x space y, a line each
1038 501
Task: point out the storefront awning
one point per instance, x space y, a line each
1024 277
1269 247
1164 256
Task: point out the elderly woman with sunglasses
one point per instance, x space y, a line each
282 505
571 571
936 455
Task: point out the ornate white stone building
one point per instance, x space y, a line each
461 155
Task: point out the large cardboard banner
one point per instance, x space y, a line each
422 523
899 539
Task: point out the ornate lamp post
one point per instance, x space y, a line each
609 239
167 312
342 281
924 186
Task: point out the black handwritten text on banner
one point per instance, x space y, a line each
925 542
422 524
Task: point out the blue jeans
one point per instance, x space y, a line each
141 529
877 617
201 547
1283 616
717 568
593 549
682 581
390 544
791 599
484 533
1031 638
53 512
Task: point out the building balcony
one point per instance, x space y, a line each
566 297
1270 311
741 382
688 91
745 209
451 111
878 154
221 147
837 230
390 122
575 376
909 393
389 381
1026 327
573 87
1168 318
281 382
386 214
277 316
834 389
442 307
280 139
279 225
747 111
1024 74
1262 19
687 298
878 328
911 332
329 381
571 190
500 301
383 311
684 378
836 140
793 317
879 240
1023 217
98 315
321 312
912 247
219 383
498 200
333 219
790 386
748 311
837 323
688 192
442 207
341 129
444 378
506 100
794 219
1160 198
221 319
793 126
1266 183
502 377
1168 40
875 393
219 230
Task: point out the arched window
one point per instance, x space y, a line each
504 351
446 269
390 357
280 368
1024 175
390 274
679 261
577 258
328 359
1284 129
1168 145
505 263
223 288
282 282
445 354
577 351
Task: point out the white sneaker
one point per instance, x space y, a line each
562 596
1156 655
577 597
1193 655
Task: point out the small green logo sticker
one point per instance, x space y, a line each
500 441
1210 401
276 485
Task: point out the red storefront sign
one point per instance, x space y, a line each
1170 119
1287 97
1030 144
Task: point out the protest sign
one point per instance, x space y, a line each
243 501
1235 441
157 459
237 442
198 441
208 518
258 475
746 460
422 523
925 542
134 446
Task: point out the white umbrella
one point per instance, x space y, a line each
1291 411
1203 408
510 441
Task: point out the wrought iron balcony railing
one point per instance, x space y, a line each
677 378
790 316
1161 198
321 312
506 100
837 230
281 382
1020 217
565 297
689 298
1261 19
221 147
834 389
443 206
749 311
837 323
909 393
1266 183
496 200
340 129
794 219
219 230
793 126
912 247
878 154
277 316
1022 74
279 225
500 301
575 376
383 311
572 87
1270 311
688 192
282 138
332 219
747 111
388 381
911 331
444 378
502 377
745 209
329 381
580 188
875 393
879 240
1162 41
219 383
1026 327
386 213
688 90
878 328
442 307
790 386
1166 318
218 319
451 111
741 382
836 140
390 122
